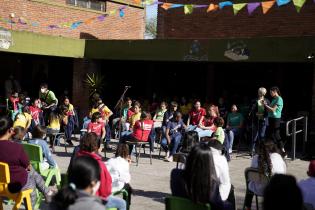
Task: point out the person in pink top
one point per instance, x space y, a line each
97 126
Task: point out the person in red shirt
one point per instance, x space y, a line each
13 106
196 116
89 147
97 126
141 131
37 113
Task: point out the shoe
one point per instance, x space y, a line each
230 151
70 142
52 191
167 154
170 159
108 147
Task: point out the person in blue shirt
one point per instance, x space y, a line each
38 135
173 135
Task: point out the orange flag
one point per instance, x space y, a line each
266 5
137 1
88 21
212 7
166 6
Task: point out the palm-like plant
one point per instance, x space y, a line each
94 82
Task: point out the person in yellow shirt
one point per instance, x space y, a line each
100 107
23 119
53 127
133 119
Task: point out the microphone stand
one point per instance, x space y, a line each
120 103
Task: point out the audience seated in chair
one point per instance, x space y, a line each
207 127
196 116
307 186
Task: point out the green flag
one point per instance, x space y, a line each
298 4
188 9
238 7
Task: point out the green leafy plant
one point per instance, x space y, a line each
94 82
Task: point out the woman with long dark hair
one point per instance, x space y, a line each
274 117
268 161
84 181
200 181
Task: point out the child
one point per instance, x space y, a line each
219 132
23 119
97 126
53 127
19 134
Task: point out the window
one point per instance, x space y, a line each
95 5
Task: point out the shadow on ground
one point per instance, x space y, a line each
154 195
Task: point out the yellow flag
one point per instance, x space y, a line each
188 9
238 7
212 7
266 5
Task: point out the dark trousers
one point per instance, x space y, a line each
274 132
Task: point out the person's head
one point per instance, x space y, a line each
99 102
163 105
174 106
311 169
36 103
264 162
96 117
15 94
197 105
262 92
6 128
83 174
128 102
234 108
122 151
218 122
43 88
144 115
64 109
39 132
19 133
199 173
66 101
26 109
274 92
213 111
221 101
178 116
282 192
89 142
136 107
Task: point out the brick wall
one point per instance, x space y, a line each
278 22
131 26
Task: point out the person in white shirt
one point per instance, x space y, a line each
118 168
268 161
307 186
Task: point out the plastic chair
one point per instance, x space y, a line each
177 203
35 156
19 197
252 174
125 195
139 145
56 138
180 158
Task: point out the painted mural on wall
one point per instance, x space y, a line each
197 52
5 39
237 51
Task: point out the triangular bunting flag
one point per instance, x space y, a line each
282 2
213 7
121 13
112 12
137 1
225 3
200 6
188 9
88 21
238 7
176 6
298 4
252 6
266 5
166 6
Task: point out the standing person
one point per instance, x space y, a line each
37 113
48 99
196 116
234 126
173 136
259 117
105 112
80 193
274 117
13 102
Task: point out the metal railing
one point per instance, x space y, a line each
294 132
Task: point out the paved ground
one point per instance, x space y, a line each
151 182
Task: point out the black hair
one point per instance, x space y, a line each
200 175
276 89
39 132
174 103
218 121
95 116
83 171
44 85
282 192
5 124
89 142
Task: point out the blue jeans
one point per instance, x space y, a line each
175 141
259 131
231 135
116 202
108 132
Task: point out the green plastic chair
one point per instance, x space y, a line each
177 203
125 196
35 155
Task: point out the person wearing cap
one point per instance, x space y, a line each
307 186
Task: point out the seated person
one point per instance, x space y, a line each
173 136
141 131
38 135
158 119
234 125
202 181
97 126
219 132
268 162
53 126
207 127
135 116
307 186
196 116
23 119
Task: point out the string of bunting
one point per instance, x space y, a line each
65 25
251 7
